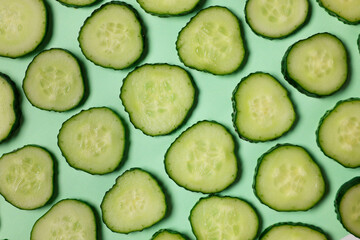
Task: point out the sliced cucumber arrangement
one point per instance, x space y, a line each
288 179
77 3
276 19
347 11
26 177
338 134
292 231
23 26
67 219
212 42
134 203
316 66
168 7
158 97
203 158
262 108
112 36
347 205
54 81
217 217
9 107
166 234
93 140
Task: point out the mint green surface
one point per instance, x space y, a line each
214 103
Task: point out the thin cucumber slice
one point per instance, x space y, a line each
292 231
167 234
67 219
212 42
54 81
77 3
276 19
9 108
347 11
93 140
202 158
23 26
263 110
288 179
217 217
316 66
158 97
134 203
168 7
338 134
347 205
26 177
112 37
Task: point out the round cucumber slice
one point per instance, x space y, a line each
167 234
168 7
77 3
346 11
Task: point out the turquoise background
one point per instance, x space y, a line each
214 103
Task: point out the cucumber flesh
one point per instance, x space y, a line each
158 97
134 203
347 11
202 158
26 177
338 133
263 110
212 42
67 219
288 179
54 81
165 234
93 140
23 25
168 7
276 19
218 217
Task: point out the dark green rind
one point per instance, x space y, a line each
179 137
234 114
327 113
259 161
240 65
82 76
333 14
295 30
297 85
185 117
53 160
16 108
290 224
78 201
164 15
124 147
224 197
141 24
358 42
144 227
340 193
91 3
169 231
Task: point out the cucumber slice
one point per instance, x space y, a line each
26 177
9 108
262 109
212 42
347 205
288 179
23 26
276 19
158 97
93 140
292 231
167 234
67 219
346 11
202 158
168 7
134 203
338 134
216 217
77 3
316 66
54 81
112 37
